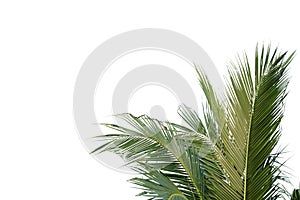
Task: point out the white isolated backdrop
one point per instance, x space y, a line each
42 48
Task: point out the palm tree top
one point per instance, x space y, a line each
228 153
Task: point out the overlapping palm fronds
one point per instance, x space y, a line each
227 154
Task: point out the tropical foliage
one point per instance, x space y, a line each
228 153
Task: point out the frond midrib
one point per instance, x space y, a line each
255 93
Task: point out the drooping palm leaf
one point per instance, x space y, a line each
176 155
228 153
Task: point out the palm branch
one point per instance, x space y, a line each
228 153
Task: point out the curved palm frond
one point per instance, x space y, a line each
184 158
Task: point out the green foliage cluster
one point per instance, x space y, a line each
229 153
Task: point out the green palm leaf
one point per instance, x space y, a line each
159 146
255 109
228 153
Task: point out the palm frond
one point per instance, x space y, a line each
254 112
155 144
228 153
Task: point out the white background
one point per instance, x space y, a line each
42 47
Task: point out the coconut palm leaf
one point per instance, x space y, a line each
157 147
228 153
254 111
